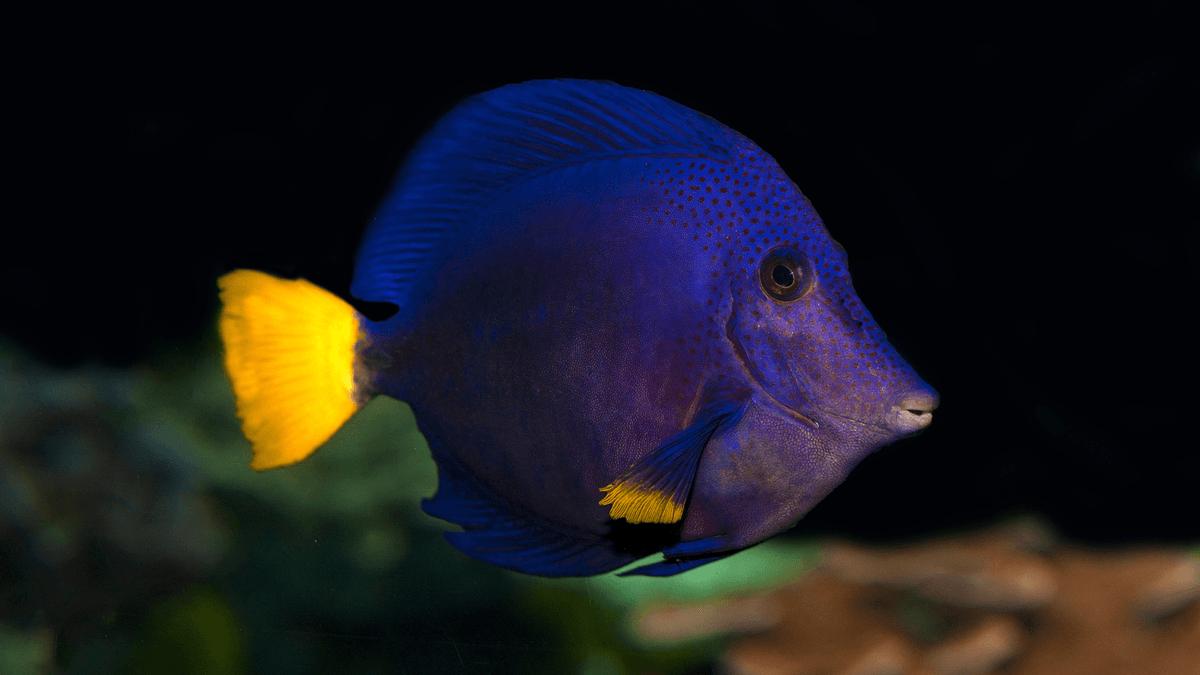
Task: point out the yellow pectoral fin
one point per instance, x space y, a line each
289 352
655 488
639 504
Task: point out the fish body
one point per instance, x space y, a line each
621 328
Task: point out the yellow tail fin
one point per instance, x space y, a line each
289 351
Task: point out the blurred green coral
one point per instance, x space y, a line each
377 460
25 652
196 633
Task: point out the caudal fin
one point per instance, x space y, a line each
289 352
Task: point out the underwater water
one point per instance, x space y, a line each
1019 197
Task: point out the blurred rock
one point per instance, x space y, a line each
826 626
996 640
990 570
734 615
1007 600
1109 619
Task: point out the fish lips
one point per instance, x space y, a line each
913 413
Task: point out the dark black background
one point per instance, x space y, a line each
1018 189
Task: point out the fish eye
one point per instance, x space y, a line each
785 275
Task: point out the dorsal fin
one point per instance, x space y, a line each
495 140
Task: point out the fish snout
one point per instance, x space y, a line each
914 410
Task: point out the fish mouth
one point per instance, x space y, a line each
913 413
910 416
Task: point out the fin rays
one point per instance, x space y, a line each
496 534
497 139
656 487
289 353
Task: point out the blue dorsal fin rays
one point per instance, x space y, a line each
490 143
655 489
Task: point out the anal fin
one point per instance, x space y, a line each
672 566
495 533
685 556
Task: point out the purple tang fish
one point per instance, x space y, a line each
622 330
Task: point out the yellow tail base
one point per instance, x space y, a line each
289 352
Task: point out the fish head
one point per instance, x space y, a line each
800 329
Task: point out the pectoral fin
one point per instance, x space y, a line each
655 489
